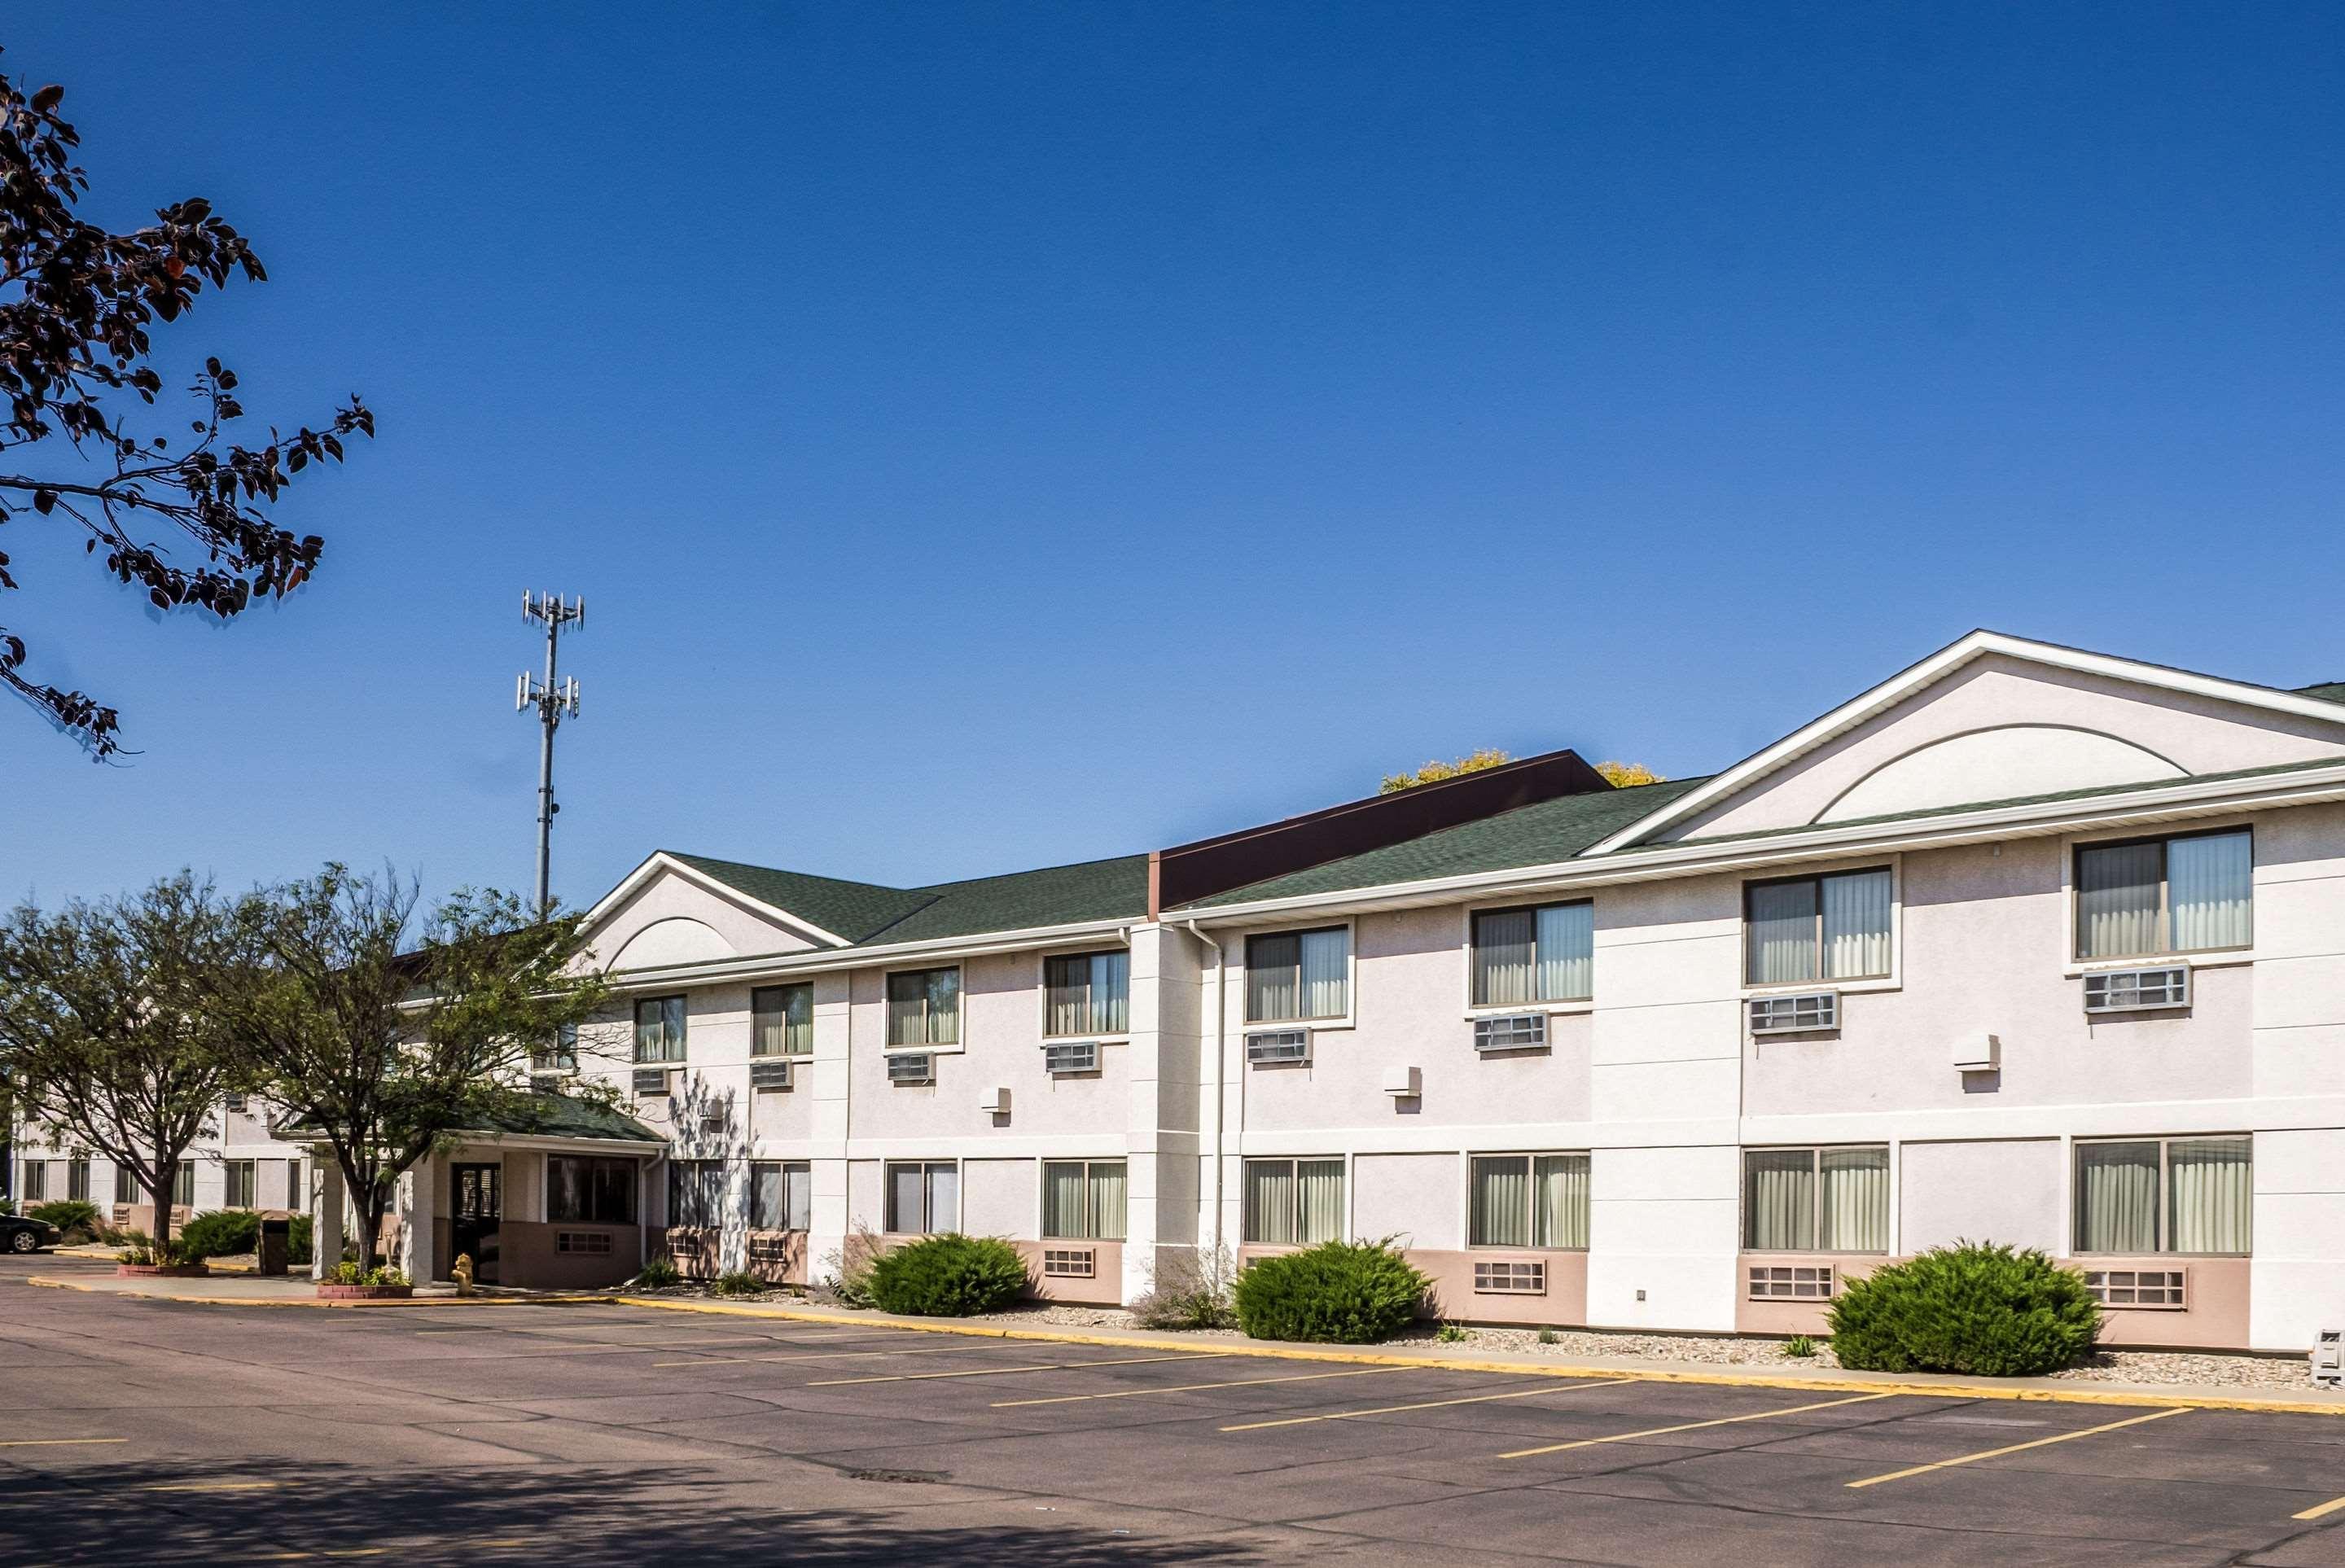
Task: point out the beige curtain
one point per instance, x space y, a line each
1320 1183
1270 1201
1499 1200
1567 951
2118 900
1855 1188
2210 1195
1503 949
2116 1198
1108 1186
1778 1199
1856 925
1780 932
1327 973
1273 992
2211 886
1063 1215
1559 1201
782 1025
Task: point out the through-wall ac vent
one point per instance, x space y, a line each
545 1083
651 1083
1062 1056
1795 1015
1516 1032
2130 990
770 1075
1278 1046
918 1068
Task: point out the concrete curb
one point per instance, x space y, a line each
186 1300
1922 1384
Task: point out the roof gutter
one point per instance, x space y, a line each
822 960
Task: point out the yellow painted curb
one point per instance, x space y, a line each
1990 1390
311 1301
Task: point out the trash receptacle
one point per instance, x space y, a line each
276 1244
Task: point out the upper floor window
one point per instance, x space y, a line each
1816 1200
1542 955
1527 1200
1087 993
2188 893
562 1056
582 1189
1083 1199
1297 976
2165 1195
1294 1203
924 1008
1834 928
781 1021
659 1029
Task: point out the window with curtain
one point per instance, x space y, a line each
239 1191
2193 893
659 1029
580 1189
923 1197
77 1182
183 1187
696 1193
924 1008
1294 1203
2166 1195
1816 1200
1296 977
1546 953
125 1185
781 1195
1083 1199
562 1057
37 1181
781 1021
1087 993
1833 927
296 1193
1527 1200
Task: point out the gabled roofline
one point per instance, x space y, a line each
660 860
1877 700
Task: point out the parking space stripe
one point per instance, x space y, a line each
1195 1388
1549 1387
2331 1506
2019 1447
1004 1371
58 1441
824 1356
1692 1426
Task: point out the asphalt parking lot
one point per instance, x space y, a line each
141 1432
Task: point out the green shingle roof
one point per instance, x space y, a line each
865 913
539 1115
2324 691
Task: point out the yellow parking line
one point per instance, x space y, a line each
817 1356
212 1486
1193 1388
1430 1404
58 1441
2019 1447
2331 1506
1690 1426
1000 1372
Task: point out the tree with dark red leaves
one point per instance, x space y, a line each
75 304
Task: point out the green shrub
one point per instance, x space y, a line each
385 1277
1799 1347
140 1254
346 1273
1336 1293
1550 1337
301 1239
658 1274
948 1276
1450 1334
738 1282
71 1215
222 1233
1969 1308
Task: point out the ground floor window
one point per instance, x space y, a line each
923 1197
1816 1200
1527 1200
78 1181
125 1185
696 1192
183 1186
1294 1203
1083 1199
2165 1195
240 1186
36 1181
582 1189
296 1193
781 1195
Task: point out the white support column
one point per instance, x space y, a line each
326 1205
1161 1142
419 1201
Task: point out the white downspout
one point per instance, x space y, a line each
1221 1050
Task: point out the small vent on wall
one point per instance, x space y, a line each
1792 1282
1511 1277
2159 1289
1066 1262
586 1242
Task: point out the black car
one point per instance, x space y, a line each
19 1234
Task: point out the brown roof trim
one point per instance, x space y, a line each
1188 872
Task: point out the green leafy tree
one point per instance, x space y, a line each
383 1030
76 302
104 1034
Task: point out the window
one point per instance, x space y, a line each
125 1185
696 1192
1294 1203
297 1191
1815 1199
781 1196
781 1021
2165 1195
1833 927
924 1008
234 1103
562 1057
78 1181
1082 1199
1087 993
241 1187
1299 975
582 1190
1527 1200
659 1029
36 1181
923 1197
1542 955
2191 894
183 1186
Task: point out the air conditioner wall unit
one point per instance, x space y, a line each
1062 1056
916 1067
2136 990
770 1074
1515 1031
651 1083
1808 1013
1267 1046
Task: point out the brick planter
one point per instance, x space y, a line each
365 1293
163 1270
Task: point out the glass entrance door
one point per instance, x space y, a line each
476 1207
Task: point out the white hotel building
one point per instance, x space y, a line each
2023 943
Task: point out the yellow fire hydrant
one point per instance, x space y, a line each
462 1272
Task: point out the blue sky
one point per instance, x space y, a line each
991 436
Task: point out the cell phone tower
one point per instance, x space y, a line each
553 702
